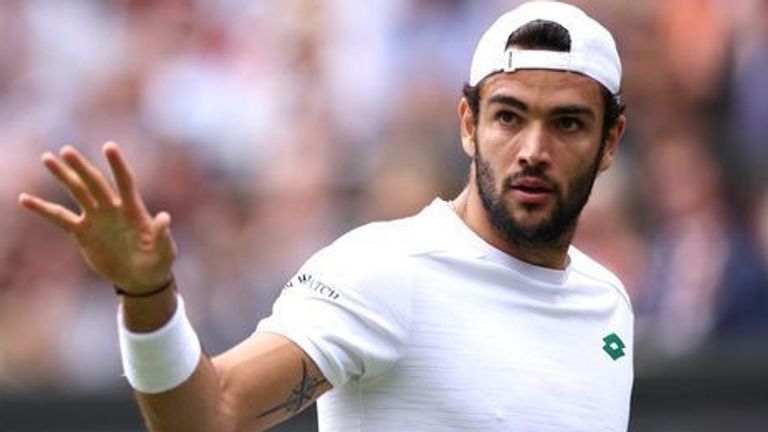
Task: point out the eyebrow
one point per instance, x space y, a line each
574 109
509 101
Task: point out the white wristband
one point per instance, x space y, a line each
161 360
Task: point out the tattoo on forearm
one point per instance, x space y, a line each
300 395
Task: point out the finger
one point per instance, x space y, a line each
124 180
162 225
162 228
71 181
162 221
91 176
54 213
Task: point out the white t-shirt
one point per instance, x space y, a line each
420 325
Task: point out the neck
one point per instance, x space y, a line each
470 209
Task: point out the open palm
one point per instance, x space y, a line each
117 236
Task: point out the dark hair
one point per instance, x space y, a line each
548 35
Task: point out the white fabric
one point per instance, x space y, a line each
593 50
160 360
422 326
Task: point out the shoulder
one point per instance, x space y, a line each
588 268
371 255
377 242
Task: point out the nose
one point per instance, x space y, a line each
533 148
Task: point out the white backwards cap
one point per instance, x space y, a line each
593 50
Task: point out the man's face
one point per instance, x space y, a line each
537 150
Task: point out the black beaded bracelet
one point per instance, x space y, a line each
121 292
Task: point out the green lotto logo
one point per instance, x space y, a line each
614 346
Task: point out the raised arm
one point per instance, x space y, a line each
260 382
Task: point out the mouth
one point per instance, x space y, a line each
531 190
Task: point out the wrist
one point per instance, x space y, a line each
169 284
145 291
143 314
162 359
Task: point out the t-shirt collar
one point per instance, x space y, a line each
458 237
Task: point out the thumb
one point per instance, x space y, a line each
162 230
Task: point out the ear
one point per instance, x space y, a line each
612 142
468 126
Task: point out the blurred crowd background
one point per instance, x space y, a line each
267 128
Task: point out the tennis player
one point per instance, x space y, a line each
476 314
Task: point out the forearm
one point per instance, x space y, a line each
255 385
260 382
194 404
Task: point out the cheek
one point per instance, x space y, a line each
488 174
580 176
496 151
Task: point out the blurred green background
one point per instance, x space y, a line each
269 127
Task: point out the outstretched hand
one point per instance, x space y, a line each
117 236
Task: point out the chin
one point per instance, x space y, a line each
530 228
532 216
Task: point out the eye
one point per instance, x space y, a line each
507 118
569 124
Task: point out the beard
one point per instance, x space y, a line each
555 229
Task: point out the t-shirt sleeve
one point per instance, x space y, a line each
350 313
